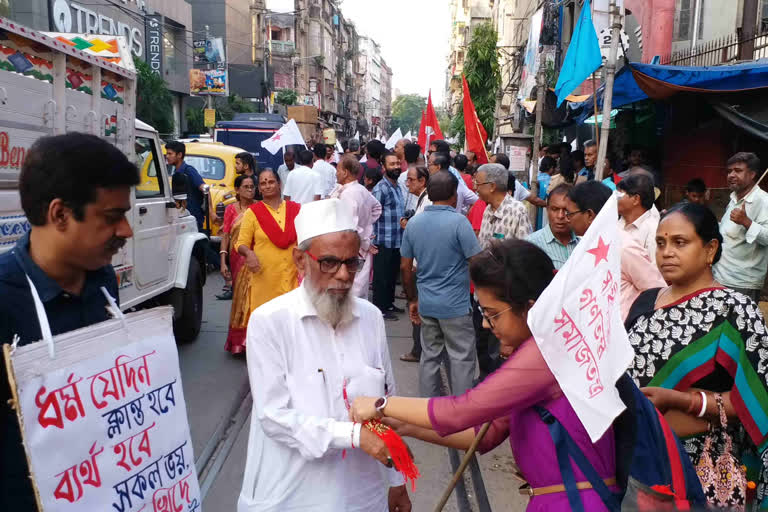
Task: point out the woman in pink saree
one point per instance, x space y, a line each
508 279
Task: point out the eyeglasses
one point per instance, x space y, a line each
483 183
489 319
248 187
568 214
332 265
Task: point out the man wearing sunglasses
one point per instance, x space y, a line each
310 352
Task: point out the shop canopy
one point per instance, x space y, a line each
636 82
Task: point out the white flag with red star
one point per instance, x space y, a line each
287 135
578 327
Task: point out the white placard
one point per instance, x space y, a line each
105 421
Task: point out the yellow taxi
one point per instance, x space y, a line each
216 164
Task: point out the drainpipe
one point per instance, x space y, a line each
748 30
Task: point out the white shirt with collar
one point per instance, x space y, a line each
744 260
327 175
643 230
297 366
302 185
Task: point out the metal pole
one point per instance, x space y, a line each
696 21
540 91
462 467
610 73
209 98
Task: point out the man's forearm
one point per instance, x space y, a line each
409 283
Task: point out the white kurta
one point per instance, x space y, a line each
297 365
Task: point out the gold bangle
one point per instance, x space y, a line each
223 252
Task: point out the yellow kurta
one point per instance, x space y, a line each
277 274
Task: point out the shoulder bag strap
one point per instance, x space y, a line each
675 465
566 449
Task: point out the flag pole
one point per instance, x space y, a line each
594 99
610 73
460 471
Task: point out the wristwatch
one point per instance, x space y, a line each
380 404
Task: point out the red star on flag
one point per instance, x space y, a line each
600 252
276 136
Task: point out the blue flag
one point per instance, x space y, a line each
583 56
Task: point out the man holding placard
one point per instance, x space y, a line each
76 206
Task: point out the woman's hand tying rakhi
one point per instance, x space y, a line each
363 409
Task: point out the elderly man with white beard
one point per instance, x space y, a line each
310 352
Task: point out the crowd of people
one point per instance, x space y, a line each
304 247
473 259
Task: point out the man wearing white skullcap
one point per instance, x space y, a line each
309 352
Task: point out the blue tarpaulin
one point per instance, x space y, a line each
636 82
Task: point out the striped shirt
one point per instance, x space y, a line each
387 229
557 252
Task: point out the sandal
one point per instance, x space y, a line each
409 358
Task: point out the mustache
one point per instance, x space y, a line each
115 243
339 286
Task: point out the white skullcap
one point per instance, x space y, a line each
323 217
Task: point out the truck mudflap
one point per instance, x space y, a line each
190 245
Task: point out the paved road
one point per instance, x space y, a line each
214 387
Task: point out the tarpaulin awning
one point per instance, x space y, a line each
636 82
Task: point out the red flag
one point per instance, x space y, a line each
475 133
423 133
435 133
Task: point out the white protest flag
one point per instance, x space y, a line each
408 136
287 135
339 149
577 324
356 135
393 139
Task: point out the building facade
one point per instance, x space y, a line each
158 31
465 15
338 70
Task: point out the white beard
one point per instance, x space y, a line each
331 308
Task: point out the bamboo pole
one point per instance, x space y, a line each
460 471
610 74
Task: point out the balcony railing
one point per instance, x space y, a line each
283 47
723 50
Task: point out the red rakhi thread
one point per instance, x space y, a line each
398 450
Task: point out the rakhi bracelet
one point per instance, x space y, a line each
703 410
352 435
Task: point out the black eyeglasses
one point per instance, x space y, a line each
568 214
332 265
490 318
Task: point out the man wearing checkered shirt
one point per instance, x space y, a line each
389 233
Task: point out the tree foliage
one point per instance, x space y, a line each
195 120
406 112
481 68
154 102
233 104
286 97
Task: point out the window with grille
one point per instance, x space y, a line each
685 19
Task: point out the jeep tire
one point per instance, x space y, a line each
186 327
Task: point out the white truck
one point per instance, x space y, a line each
52 84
